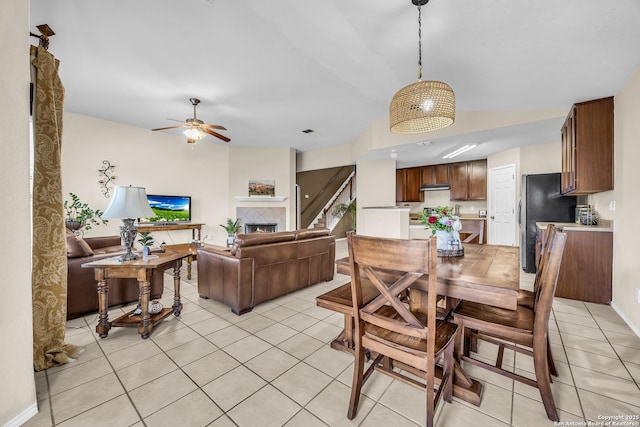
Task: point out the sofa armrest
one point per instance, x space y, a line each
103 242
225 278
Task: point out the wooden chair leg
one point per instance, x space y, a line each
541 367
552 365
447 372
431 405
356 385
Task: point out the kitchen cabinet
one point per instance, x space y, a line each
587 265
435 175
468 180
587 148
408 185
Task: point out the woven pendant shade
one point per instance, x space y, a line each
423 106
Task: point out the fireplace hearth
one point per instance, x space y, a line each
261 228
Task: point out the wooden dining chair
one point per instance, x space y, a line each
388 329
474 228
526 297
516 329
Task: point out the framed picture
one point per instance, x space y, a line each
482 214
262 188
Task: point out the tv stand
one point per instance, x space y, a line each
168 227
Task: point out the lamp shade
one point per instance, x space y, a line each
129 202
423 106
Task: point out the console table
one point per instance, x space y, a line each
168 227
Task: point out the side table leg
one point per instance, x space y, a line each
144 327
177 305
103 326
189 260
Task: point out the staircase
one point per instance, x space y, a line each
329 216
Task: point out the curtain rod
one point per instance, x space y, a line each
46 32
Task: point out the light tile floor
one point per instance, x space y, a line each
274 367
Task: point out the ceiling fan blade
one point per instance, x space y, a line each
171 127
216 134
213 126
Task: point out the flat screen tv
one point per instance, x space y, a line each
169 209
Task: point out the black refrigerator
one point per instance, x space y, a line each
540 201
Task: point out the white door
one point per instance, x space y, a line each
501 218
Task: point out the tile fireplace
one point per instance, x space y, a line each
261 228
262 219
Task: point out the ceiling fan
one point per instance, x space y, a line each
196 128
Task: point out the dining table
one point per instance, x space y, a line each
486 274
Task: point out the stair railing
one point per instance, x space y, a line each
346 194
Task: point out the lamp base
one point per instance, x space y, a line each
128 233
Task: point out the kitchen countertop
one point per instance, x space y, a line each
604 225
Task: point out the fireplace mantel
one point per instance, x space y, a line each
259 199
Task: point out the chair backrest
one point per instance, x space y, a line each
411 259
548 234
474 227
548 276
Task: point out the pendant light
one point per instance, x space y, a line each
423 106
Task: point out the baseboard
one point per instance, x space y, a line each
629 323
24 416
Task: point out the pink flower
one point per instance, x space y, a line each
432 220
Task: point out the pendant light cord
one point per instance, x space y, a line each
419 43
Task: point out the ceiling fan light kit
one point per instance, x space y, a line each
423 106
196 128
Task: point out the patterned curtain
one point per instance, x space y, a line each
49 264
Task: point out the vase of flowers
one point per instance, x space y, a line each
445 226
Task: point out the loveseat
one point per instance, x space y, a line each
82 288
262 266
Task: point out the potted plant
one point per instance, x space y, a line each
341 209
145 238
231 227
80 216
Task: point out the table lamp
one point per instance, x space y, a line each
129 203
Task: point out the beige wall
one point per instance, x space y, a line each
337 155
278 164
17 386
541 158
376 184
163 163
626 236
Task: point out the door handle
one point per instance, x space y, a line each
492 217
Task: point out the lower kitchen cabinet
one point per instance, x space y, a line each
587 266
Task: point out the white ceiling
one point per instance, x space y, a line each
267 70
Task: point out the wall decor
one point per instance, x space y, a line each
262 188
107 178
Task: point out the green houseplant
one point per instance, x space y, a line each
341 209
231 227
80 216
145 238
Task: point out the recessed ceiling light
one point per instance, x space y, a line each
307 131
393 154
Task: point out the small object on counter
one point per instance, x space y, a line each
482 214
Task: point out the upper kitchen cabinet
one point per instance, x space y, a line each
587 148
468 180
408 185
435 175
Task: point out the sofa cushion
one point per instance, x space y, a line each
109 250
77 247
310 233
253 239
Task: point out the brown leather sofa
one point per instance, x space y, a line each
82 288
263 266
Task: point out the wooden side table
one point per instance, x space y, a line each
142 270
191 250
